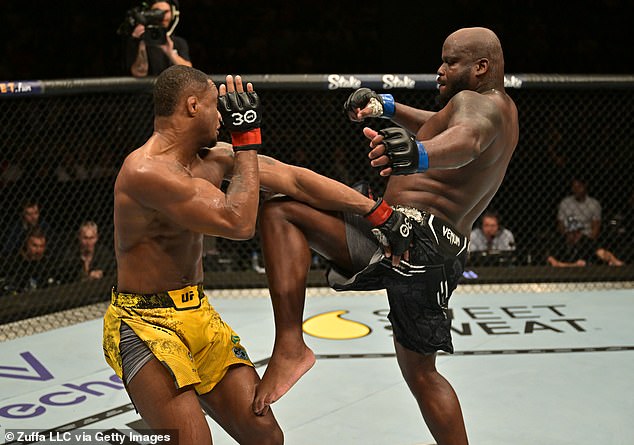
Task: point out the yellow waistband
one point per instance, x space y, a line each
186 298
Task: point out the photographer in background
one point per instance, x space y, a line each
151 45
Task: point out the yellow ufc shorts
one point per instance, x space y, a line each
181 329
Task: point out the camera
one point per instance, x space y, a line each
155 34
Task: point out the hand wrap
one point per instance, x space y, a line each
242 117
391 227
407 155
382 105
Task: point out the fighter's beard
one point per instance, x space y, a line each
460 84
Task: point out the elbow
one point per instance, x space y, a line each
244 230
234 227
246 234
476 146
471 142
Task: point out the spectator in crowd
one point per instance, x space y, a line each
149 51
86 259
30 218
575 249
32 267
490 243
491 236
582 208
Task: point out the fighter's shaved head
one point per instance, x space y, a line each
477 43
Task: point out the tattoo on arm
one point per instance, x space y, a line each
140 66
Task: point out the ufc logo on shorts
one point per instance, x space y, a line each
188 296
248 117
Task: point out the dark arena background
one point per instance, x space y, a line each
542 353
69 114
63 141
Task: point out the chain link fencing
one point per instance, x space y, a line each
62 142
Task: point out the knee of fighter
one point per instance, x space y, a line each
271 435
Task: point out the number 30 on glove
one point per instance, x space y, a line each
392 228
241 115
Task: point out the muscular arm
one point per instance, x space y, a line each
472 123
412 119
307 186
315 190
242 198
453 137
299 183
195 203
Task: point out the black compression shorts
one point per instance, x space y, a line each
419 290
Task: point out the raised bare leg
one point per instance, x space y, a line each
287 261
436 397
287 229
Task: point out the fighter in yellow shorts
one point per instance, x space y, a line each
174 353
161 336
180 328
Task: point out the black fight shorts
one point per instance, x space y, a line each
418 290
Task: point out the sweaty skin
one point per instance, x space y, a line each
470 142
164 205
166 197
162 209
299 183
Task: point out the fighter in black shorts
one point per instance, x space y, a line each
419 289
444 168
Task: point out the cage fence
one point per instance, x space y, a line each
62 142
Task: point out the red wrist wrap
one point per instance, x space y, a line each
251 137
379 213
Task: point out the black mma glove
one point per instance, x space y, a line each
382 105
391 227
241 116
407 155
